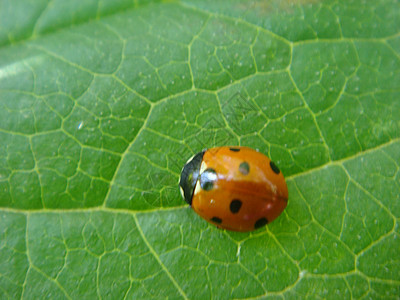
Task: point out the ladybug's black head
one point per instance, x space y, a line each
189 176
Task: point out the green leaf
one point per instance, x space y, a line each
102 102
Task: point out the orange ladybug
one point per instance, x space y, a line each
235 188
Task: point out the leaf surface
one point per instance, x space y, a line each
102 103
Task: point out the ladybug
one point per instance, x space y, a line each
235 188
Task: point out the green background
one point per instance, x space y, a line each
102 102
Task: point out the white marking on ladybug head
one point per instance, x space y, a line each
189 160
203 167
197 188
182 193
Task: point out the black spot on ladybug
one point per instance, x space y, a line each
244 168
216 220
234 149
235 206
274 167
260 223
207 179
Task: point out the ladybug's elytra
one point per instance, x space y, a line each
235 188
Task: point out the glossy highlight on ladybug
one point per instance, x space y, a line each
235 188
